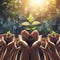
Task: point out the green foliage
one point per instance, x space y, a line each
25 24
30 18
33 28
36 23
9 33
27 28
30 24
53 33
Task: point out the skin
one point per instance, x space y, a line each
9 48
46 56
25 35
57 41
53 39
16 49
28 39
13 45
25 49
3 47
52 50
44 49
35 46
58 45
33 49
15 54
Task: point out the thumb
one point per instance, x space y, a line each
42 48
20 37
40 38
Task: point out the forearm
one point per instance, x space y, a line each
15 54
2 43
36 44
23 44
56 55
46 57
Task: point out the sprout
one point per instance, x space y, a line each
8 33
30 24
53 33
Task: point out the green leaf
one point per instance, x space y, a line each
30 18
25 24
8 33
27 28
36 23
33 28
53 33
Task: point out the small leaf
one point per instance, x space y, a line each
36 23
53 33
8 33
27 28
25 24
30 18
33 28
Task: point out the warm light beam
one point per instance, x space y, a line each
39 5
36 2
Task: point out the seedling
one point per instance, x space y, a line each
30 23
53 34
9 33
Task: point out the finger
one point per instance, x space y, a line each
20 37
48 38
50 43
3 40
59 38
40 38
23 44
16 47
36 44
25 34
42 48
13 39
35 34
46 45
58 42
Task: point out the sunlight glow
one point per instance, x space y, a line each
36 2
37 6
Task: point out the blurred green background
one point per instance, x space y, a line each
14 18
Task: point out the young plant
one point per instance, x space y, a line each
54 37
9 33
53 33
30 23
